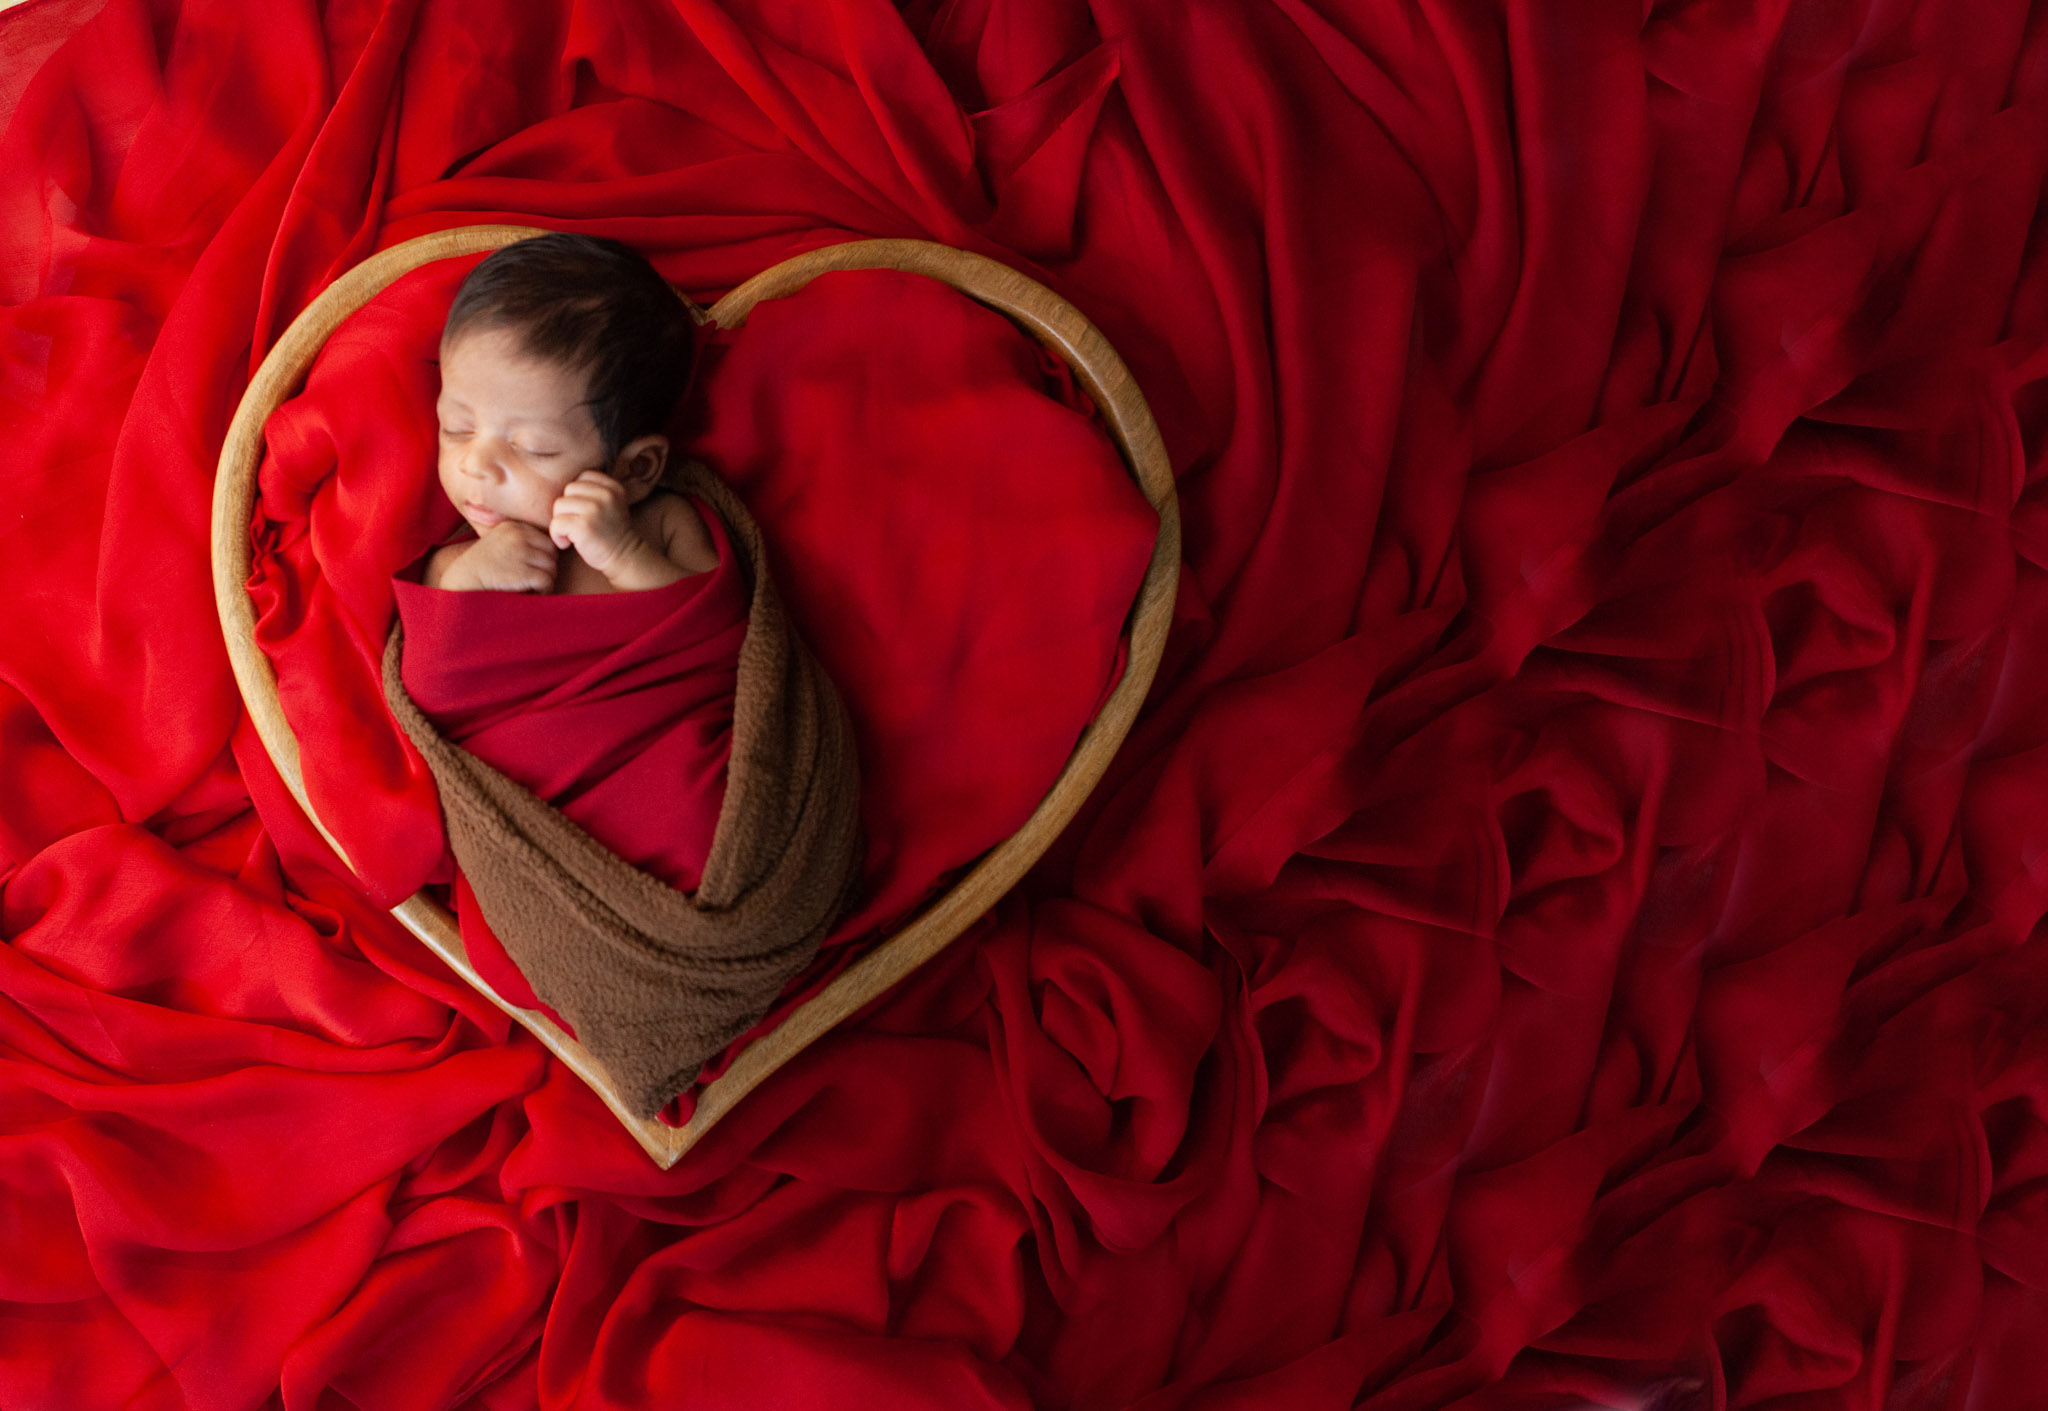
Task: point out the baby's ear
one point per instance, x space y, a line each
639 466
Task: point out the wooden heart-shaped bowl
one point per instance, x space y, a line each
1040 312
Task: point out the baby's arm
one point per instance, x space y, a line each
685 542
594 518
509 557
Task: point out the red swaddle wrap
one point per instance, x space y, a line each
616 708
654 977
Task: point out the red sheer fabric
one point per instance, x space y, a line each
1564 932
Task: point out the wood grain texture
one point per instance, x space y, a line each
1042 313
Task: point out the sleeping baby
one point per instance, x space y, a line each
561 361
648 780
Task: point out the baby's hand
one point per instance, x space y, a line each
509 557
592 517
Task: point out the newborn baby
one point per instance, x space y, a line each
561 361
648 780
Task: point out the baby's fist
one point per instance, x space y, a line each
592 516
509 557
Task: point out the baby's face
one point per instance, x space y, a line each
514 430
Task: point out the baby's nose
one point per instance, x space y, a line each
478 461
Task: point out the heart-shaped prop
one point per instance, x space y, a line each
1053 321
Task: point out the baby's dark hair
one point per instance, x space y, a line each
595 305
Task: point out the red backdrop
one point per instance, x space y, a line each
1564 932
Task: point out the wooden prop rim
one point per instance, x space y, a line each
1042 313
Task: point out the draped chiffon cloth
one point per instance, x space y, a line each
1567 928
616 708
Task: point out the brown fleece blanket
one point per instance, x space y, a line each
654 980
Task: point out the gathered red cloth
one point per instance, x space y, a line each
616 708
1566 930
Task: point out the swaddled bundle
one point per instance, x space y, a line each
606 686
656 980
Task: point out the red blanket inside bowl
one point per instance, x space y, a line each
957 536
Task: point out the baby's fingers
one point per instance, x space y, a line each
529 559
566 524
592 500
533 541
537 572
593 485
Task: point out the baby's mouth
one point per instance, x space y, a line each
477 515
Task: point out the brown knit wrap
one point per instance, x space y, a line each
656 981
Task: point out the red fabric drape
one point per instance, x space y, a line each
1563 932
